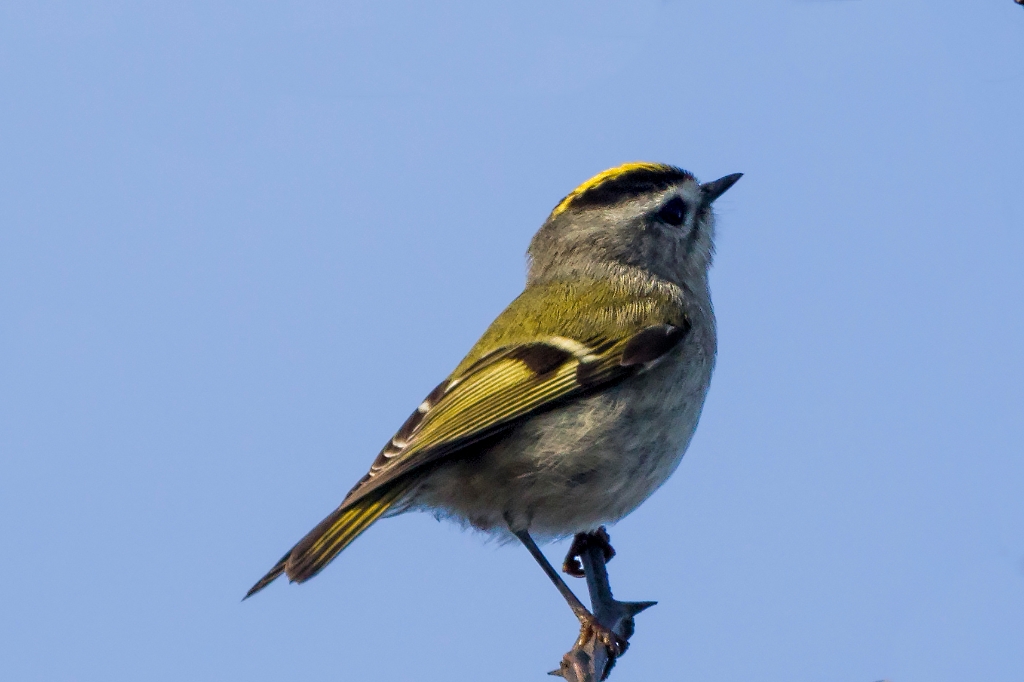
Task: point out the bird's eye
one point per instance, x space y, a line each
674 212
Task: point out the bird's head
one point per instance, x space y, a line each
643 215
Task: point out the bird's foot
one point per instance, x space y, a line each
591 629
583 541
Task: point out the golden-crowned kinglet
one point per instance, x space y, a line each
581 397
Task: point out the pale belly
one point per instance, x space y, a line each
584 464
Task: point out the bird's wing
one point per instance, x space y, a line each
506 386
492 390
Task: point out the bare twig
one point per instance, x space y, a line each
589 660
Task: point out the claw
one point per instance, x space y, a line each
573 565
590 628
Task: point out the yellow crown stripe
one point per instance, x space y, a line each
605 176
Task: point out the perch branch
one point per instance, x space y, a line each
589 660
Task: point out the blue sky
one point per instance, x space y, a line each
239 243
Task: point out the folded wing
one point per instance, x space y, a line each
493 393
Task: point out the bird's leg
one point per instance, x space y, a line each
589 626
599 538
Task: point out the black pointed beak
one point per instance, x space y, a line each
716 188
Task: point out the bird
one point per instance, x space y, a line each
578 401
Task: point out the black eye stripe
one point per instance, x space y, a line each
673 212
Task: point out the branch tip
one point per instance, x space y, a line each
590 660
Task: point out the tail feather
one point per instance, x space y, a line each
270 577
336 532
333 534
